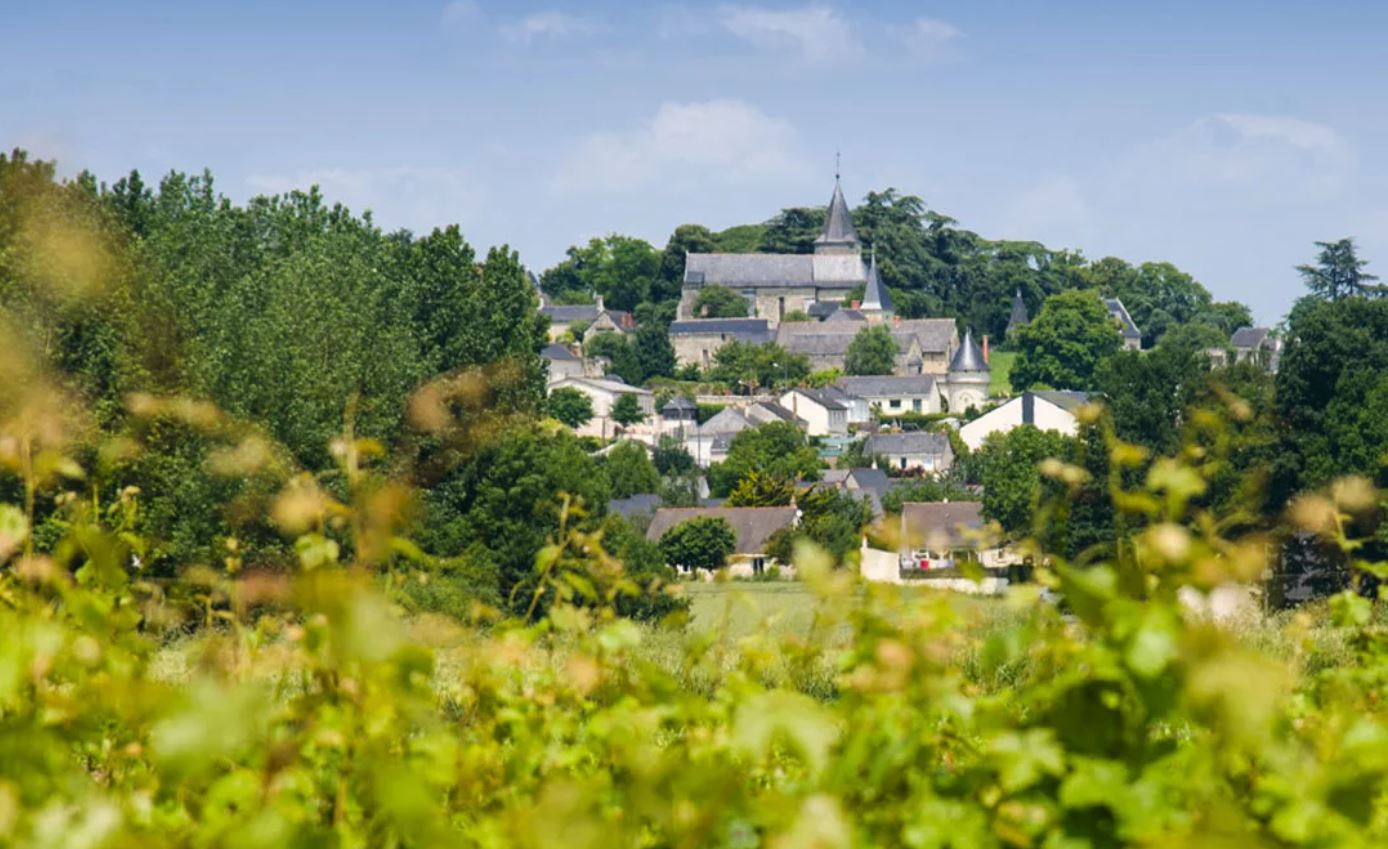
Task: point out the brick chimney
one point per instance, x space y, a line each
857 304
985 347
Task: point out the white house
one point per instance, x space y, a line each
604 393
563 362
929 452
1043 410
821 410
1132 337
890 396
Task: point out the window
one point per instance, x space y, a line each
758 565
895 404
916 404
903 462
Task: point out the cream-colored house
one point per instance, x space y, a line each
604 393
889 396
822 412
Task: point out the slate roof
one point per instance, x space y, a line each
1019 317
942 525
752 526
752 271
843 314
1249 337
838 222
875 295
934 334
916 442
727 420
606 384
568 313
823 398
822 309
679 407
826 340
558 352
1068 401
969 357
1125 321
772 410
746 329
885 385
642 503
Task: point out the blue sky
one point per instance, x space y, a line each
1223 137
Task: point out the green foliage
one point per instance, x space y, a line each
757 366
1161 298
671 458
719 302
626 410
923 490
762 490
872 351
1338 272
637 357
570 406
830 518
704 542
630 470
778 449
1010 468
624 270
1064 345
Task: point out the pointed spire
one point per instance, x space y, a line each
969 357
875 297
838 234
1019 317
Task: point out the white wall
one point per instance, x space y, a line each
1002 419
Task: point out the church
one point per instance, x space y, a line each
815 285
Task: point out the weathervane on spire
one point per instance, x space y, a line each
836 165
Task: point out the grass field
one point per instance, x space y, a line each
1000 366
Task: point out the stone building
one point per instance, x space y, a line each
966 382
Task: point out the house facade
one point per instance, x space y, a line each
889 395
604 393
696 341
927 452
1042 410
752 527
820 410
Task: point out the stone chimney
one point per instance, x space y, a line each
601 308
985 347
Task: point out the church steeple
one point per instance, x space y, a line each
839 235
876 301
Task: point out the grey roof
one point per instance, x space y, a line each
1125 321
727 420
838 223
934 334
752 271
969 357
1019 317
915 442
570 312
752 526
874 479
773 409
844 314
558 352
880 386
942 525
1068 401
1249 337
875 295
679 404
642 503
746 329
822 309
823 398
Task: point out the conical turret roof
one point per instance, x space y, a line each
969 357
1019 316
838 224
875 295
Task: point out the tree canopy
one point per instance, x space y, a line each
1064 345
704 542
1338 272
872 351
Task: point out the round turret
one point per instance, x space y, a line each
968 376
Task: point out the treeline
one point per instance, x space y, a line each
931 266
221 351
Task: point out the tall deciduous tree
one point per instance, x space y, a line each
719 302
776 448
626 411
570 406
872 351
1065 344
704 542
629 468
1011 471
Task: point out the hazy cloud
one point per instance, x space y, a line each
549 24
930 39
716 139
817 33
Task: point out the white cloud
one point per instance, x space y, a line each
717 139
549 24
1243 158
818 33
462 13
416 198
930 39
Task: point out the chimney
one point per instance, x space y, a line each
857 304
985 348
600 306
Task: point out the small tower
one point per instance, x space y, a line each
877 304
838 236
1019 317
966 382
